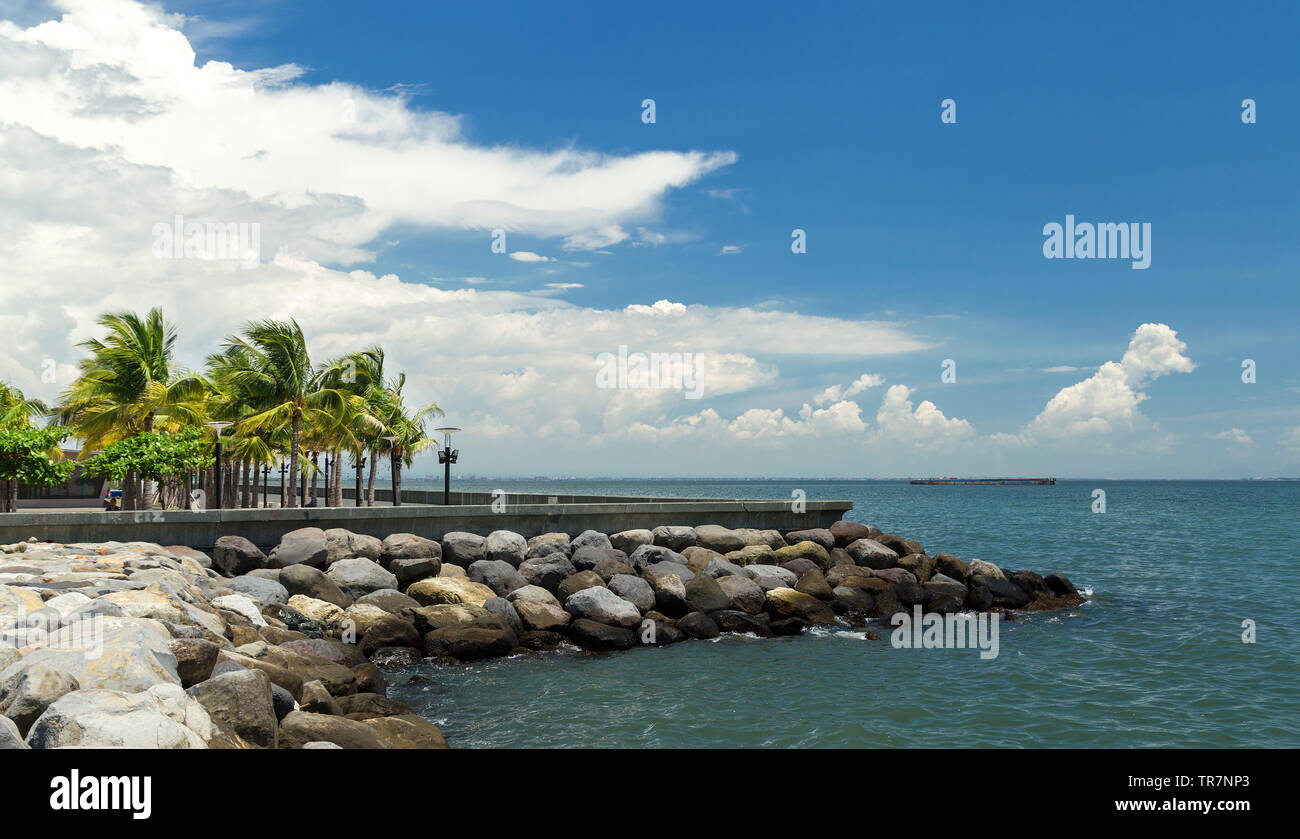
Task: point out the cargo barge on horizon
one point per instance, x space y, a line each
1011 482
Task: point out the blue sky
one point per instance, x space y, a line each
1114 113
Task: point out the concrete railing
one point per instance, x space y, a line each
265 527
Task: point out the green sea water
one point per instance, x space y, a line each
1154 659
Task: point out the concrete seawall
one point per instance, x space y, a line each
570 514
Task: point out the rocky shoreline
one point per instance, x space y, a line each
140 645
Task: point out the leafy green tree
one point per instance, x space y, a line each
32 456
154 455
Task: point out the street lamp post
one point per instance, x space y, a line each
217 426
447 457
361 464
284 467
266 486
327 479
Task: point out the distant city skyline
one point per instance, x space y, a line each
513 203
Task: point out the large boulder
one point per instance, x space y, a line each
751 555
311 582
27 693
301 727
577 582
951 566
501 577
789 603
407 731
670 595
652 554
715 537
698 625
980 568
674 537
807 549
542 616
591 539
359 577
471 643
697 558
703 594
769 577
429 618
595 635
408 546
506 546
743 594
608 569
945 598
304 546
549 570
240 605
634 590
720 567
409 570
10 737
848 532
729 620
1060 584
122 654
603 606
535 594
813 582
463 549
818 535
1005 593
899 545
388 631
663 569
896 575
323 612
391 601
235 555
341 543
546 543
628 541
872 554
504 610
588 557
240 701
195 658
162 717
436 590
259 589
919 565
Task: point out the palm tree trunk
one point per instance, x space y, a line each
370 481
315 471
128 491
246 493
336 481
292 497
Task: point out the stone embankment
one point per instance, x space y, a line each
140 645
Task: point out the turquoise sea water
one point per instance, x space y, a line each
1156 658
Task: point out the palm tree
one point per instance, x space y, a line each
128 384
271 370
404 430
16 410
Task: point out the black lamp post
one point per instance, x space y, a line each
361 464
266 486
284 467
218 426
447 457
